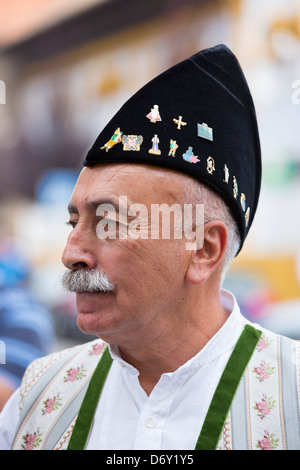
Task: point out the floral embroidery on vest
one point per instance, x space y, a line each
51 404
263 343
75 374
32 441
264 371
268 442
97 349
264 407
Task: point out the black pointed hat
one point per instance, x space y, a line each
198 118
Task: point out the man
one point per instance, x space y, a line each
182 369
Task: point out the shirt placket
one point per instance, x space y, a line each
155 412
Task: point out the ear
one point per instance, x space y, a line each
205 260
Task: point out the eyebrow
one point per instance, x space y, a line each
93 205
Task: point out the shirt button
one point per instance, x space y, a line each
150 423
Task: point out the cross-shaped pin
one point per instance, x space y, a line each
179 122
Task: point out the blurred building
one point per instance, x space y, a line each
67 66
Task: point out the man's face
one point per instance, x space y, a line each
148 274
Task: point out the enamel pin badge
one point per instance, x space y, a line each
179 122
226 174
155 150
243 201
189 156
235 188
154 115
173 148
115 139
132 142
210 167
247 216
204 131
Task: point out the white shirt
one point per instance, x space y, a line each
171 417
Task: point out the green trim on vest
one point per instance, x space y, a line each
226 389
218 409
88 407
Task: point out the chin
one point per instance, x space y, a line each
98 324
93 310
88 323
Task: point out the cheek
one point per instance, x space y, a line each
138 265
148 268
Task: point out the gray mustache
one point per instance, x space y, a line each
86 280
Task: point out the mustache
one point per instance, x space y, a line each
86 280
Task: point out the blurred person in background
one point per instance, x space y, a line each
26 327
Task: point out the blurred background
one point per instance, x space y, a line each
66 66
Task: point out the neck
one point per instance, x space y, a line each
181 340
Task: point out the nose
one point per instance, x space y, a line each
78 252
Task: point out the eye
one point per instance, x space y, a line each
71 223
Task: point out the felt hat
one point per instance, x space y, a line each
198 118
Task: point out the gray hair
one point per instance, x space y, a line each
214 209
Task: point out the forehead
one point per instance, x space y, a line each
139 183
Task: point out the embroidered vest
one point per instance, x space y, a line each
264 414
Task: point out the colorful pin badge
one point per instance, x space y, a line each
210 167
189 156
226 174
204 131
235 188
154 115
247 216
115 139
155 150
243 201
173 148
179 122
132 142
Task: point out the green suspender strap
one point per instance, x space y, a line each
226 389
87 410
217 412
